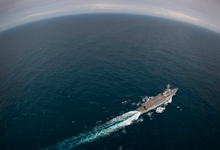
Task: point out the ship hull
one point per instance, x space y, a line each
158 100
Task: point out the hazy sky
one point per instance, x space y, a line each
205 13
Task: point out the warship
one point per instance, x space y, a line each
158 100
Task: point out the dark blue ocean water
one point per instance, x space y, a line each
61 79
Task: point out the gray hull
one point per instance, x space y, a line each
158 100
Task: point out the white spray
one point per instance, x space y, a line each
111 126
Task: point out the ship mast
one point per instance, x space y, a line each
167 90
168 87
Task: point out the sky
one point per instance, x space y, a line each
205 13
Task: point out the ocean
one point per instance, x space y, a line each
75 82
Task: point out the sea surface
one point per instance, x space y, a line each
75 82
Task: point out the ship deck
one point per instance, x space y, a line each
154 101
157 100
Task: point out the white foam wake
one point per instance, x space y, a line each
109 127
160 109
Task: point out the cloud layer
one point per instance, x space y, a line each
200 12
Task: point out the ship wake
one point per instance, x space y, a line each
111 126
